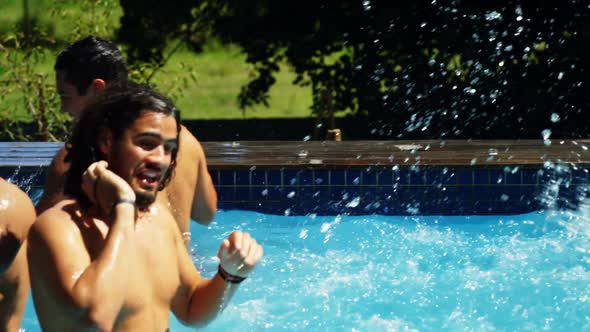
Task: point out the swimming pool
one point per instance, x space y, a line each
337 261
386 273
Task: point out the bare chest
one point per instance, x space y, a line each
153 271
156 258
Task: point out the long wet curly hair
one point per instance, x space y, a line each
116 108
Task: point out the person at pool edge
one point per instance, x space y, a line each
17 214
92 255
85 68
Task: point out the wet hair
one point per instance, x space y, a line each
116 108
90 58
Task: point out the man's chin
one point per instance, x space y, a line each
144 199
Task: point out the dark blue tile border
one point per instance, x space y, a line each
404 191
431 190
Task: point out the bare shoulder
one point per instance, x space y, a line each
53 189
57 221
190 156
14 195
189 143
58 165
16 209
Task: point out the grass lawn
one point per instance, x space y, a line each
220 71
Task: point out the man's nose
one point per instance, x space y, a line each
159 155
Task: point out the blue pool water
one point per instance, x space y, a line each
382 273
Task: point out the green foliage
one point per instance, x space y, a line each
21 81
175 85
89 17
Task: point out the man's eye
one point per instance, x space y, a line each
147 145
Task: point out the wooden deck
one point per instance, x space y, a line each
349 153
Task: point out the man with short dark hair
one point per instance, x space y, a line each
17 214
85 68
109 256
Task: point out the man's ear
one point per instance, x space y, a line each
97 85
105 141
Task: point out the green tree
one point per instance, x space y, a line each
415 69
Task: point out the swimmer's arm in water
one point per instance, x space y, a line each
198 301
53 189
204 205
92 288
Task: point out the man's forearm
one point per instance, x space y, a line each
208 300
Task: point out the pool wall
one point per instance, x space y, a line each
271 183
381 190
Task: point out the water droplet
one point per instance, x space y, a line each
560 75
473 161
302 154
307 138
303 234
264 192
354 202
291 194
493 15
555 117
504 197
235 144
546 133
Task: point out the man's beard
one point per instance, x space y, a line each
144 199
